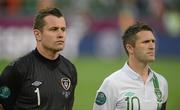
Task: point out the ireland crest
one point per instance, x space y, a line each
66 83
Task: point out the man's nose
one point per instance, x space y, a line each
60 33
152 45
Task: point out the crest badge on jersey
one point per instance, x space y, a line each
101 98
158 94
66 83
4 92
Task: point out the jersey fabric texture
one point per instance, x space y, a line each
126 90
35 83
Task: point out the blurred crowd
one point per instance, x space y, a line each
96 22
163 15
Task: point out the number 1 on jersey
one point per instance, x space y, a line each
38 95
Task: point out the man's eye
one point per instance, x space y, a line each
147 41
153 41
63 29
54 29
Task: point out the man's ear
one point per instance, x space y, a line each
37 34
129 48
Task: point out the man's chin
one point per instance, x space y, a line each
57 49
151 60
60 48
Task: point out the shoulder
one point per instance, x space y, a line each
24 60
117 76
114 79
21 64
67 62
163 84
64 59
18 67
120 76
161 78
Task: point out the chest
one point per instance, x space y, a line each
47 87
136 96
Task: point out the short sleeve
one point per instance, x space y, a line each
105 97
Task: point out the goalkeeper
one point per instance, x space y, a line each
42 79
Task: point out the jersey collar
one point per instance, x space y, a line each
134 75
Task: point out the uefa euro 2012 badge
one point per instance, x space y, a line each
101 98
4 92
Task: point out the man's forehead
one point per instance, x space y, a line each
54 20
145 35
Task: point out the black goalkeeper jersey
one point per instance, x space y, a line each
36 83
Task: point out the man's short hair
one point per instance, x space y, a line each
130 37
39 18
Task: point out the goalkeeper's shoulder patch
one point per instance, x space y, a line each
4 92
101 98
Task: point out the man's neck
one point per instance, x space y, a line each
139 67
51 55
